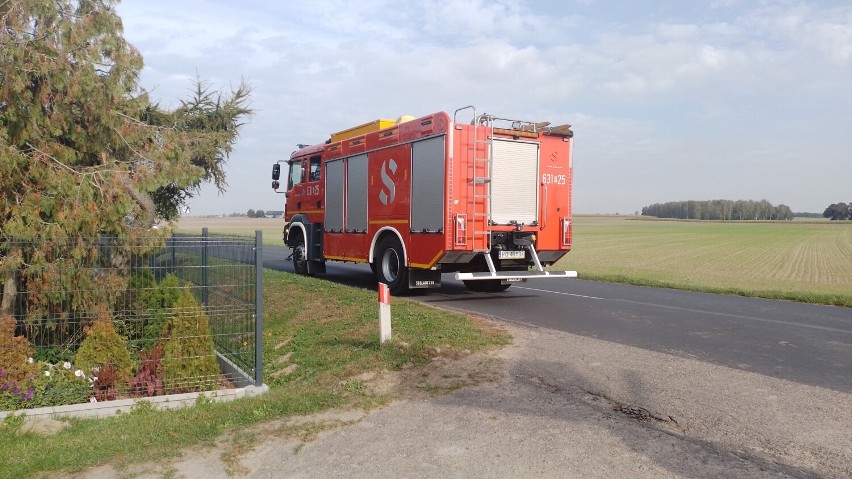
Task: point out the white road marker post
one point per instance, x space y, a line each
384 313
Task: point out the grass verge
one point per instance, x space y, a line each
318 338
797 296
805 262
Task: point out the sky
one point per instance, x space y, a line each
669 100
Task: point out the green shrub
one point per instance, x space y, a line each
101 345
189 356
132 311
159 305
142 290
53 354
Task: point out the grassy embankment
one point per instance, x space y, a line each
325 334
799 261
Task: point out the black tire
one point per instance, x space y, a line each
486 286
300 260
390 265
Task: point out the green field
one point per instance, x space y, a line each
272 228
799 260
805 261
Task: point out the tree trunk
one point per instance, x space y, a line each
7 306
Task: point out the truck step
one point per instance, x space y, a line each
516 275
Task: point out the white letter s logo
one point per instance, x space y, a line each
387 197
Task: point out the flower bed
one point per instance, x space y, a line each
178 356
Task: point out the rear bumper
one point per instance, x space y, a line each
515 275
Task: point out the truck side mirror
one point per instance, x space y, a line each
276 171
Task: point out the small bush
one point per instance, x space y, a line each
148 381
16 354
159 307
189 356
106 382
142 290
104 345
133 308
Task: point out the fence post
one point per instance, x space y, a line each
258 308
172 267
205 267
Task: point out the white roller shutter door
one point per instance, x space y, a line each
514 182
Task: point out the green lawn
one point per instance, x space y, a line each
804 261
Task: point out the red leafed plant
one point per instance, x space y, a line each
105 384
148 381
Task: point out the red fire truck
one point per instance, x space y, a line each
485 198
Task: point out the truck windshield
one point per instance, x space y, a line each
295 174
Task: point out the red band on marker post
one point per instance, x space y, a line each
384 293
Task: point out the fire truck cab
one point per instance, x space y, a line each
485 198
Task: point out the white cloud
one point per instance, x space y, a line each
646 88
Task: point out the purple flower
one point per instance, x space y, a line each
29 394
5 385
2 373
16 389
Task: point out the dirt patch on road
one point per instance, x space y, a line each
441 375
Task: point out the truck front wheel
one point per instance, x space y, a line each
390 265
300 260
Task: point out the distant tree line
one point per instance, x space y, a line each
256 213
838 211
725 210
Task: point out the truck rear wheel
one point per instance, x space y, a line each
390 265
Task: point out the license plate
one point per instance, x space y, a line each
518 254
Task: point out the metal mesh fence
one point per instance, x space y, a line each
186 310
223 272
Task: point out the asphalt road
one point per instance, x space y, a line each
808 344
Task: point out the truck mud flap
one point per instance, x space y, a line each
316 267
423 278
